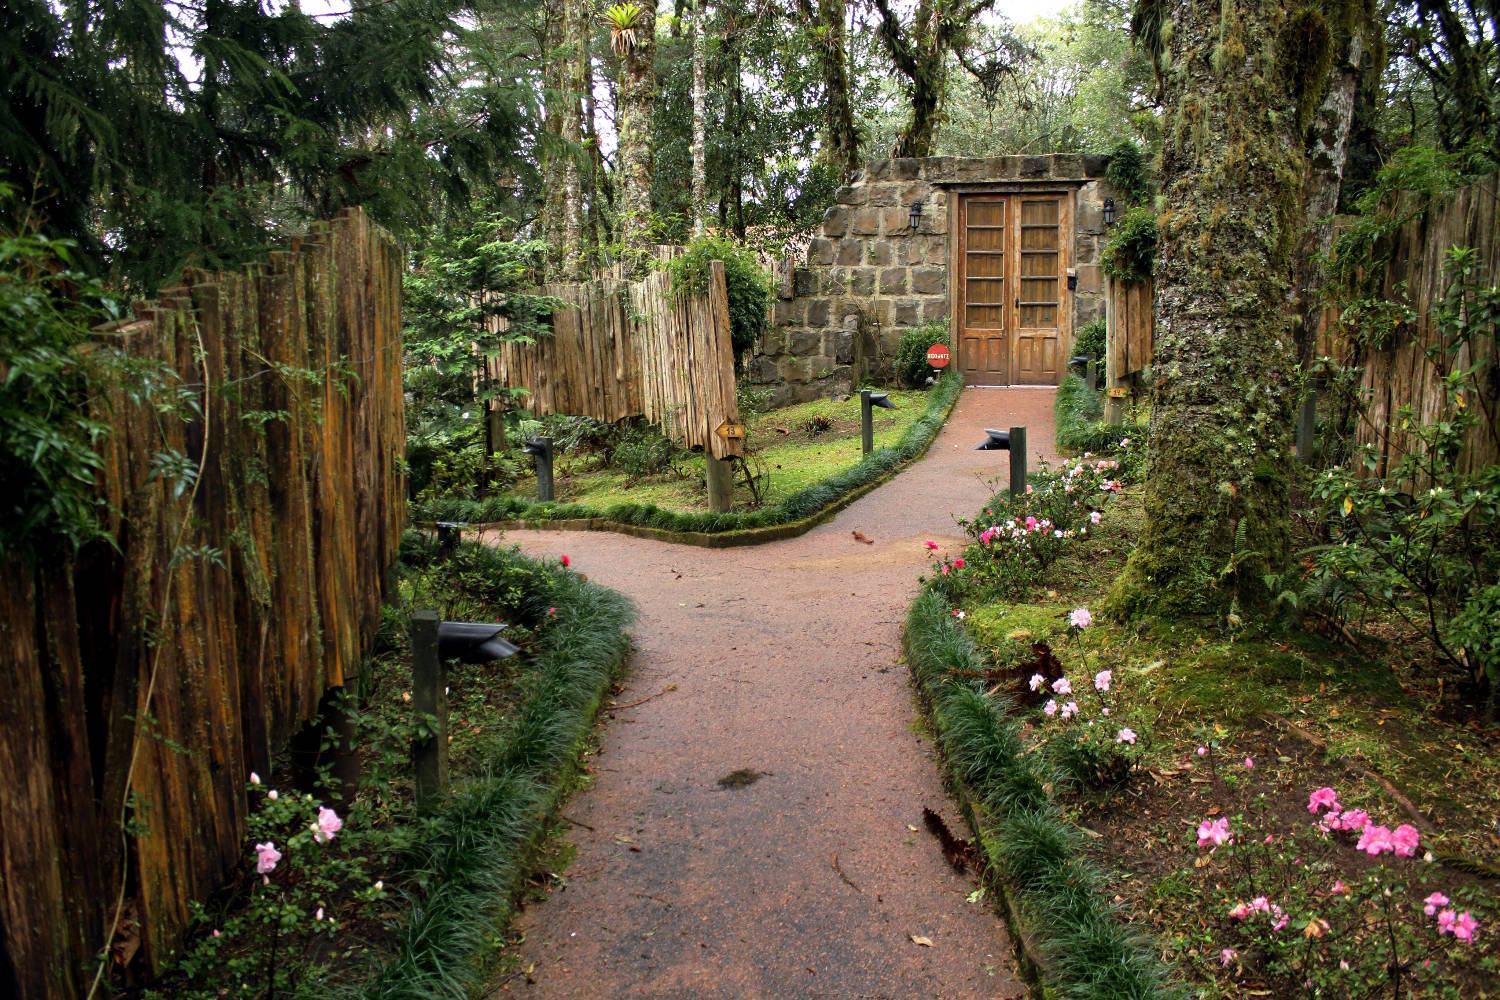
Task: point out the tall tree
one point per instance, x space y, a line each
576 79
825 20
1241 82
700 112
633 39
1456 46
920 48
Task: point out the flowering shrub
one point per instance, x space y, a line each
1015 541
1287 915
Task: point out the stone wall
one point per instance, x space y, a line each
867 277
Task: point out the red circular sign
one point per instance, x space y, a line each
938 356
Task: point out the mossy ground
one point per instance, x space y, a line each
1309 712
794 457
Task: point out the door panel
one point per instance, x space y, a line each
984 313
1010 312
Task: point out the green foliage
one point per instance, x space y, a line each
644 451
1424 541
1090 341
1130 253
808 503
1077 414
1029 846
750 289
1129 173
912 369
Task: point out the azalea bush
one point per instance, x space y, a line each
1339 906
1423 542
1015 540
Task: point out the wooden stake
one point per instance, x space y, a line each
720 478
429 698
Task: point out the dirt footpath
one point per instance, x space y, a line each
810 873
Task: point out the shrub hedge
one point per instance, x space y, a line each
1077 415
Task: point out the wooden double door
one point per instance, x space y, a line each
1011 314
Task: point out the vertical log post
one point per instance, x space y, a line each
429 700
866 422
1307 426
541 449
720 478
1091 374
1017 462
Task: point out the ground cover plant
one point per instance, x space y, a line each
1285 815
810 469
363 895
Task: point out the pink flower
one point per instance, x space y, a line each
958 564
1249 762
1125 735
254 778
551 611
1103 678
566 561
1095 517
216 932
1050 709
1323 798
1202 751
1062 686
1353 819
1215 832
1260 905
1281 920
1431 904
1340 889
931 545
1375 840
1227 956
266 856
1405 840
1240 911
1446 920
319 914
945 569
1031 522
1080 618
327 825
1465 926
1070 709
1036 682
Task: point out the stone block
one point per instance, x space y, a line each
866 222
820 252
844 347
893 220
879 312
971 168
906 312
878 253
929 280
819 366
935 219
763 370
1086 249
1033 167
882 196
1090 279
862 281
1068 166
804 282
878 170
937 168
788 312
851 194
935 250
817 313
935 309
1090 213
801 343
893 281
1086 309
1008 167
916 191
906 168
836 221
850 252
1095 164
834 283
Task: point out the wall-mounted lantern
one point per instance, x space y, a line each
1109 212
915 218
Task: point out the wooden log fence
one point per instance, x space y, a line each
627 349
161 667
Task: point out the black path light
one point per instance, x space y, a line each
473 642
1085 365
1013 441
448 535
867 402
541 449
915 216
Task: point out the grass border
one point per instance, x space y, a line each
793 516
1078 419
481 845
1070 941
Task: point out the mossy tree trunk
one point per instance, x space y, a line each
637 95
1241 78
825 18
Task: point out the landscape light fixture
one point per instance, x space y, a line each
915 218
1013 441
540 448
867 402
1109 212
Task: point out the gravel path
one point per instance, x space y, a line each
782 660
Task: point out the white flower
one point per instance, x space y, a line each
254 778
1037 680
272 795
